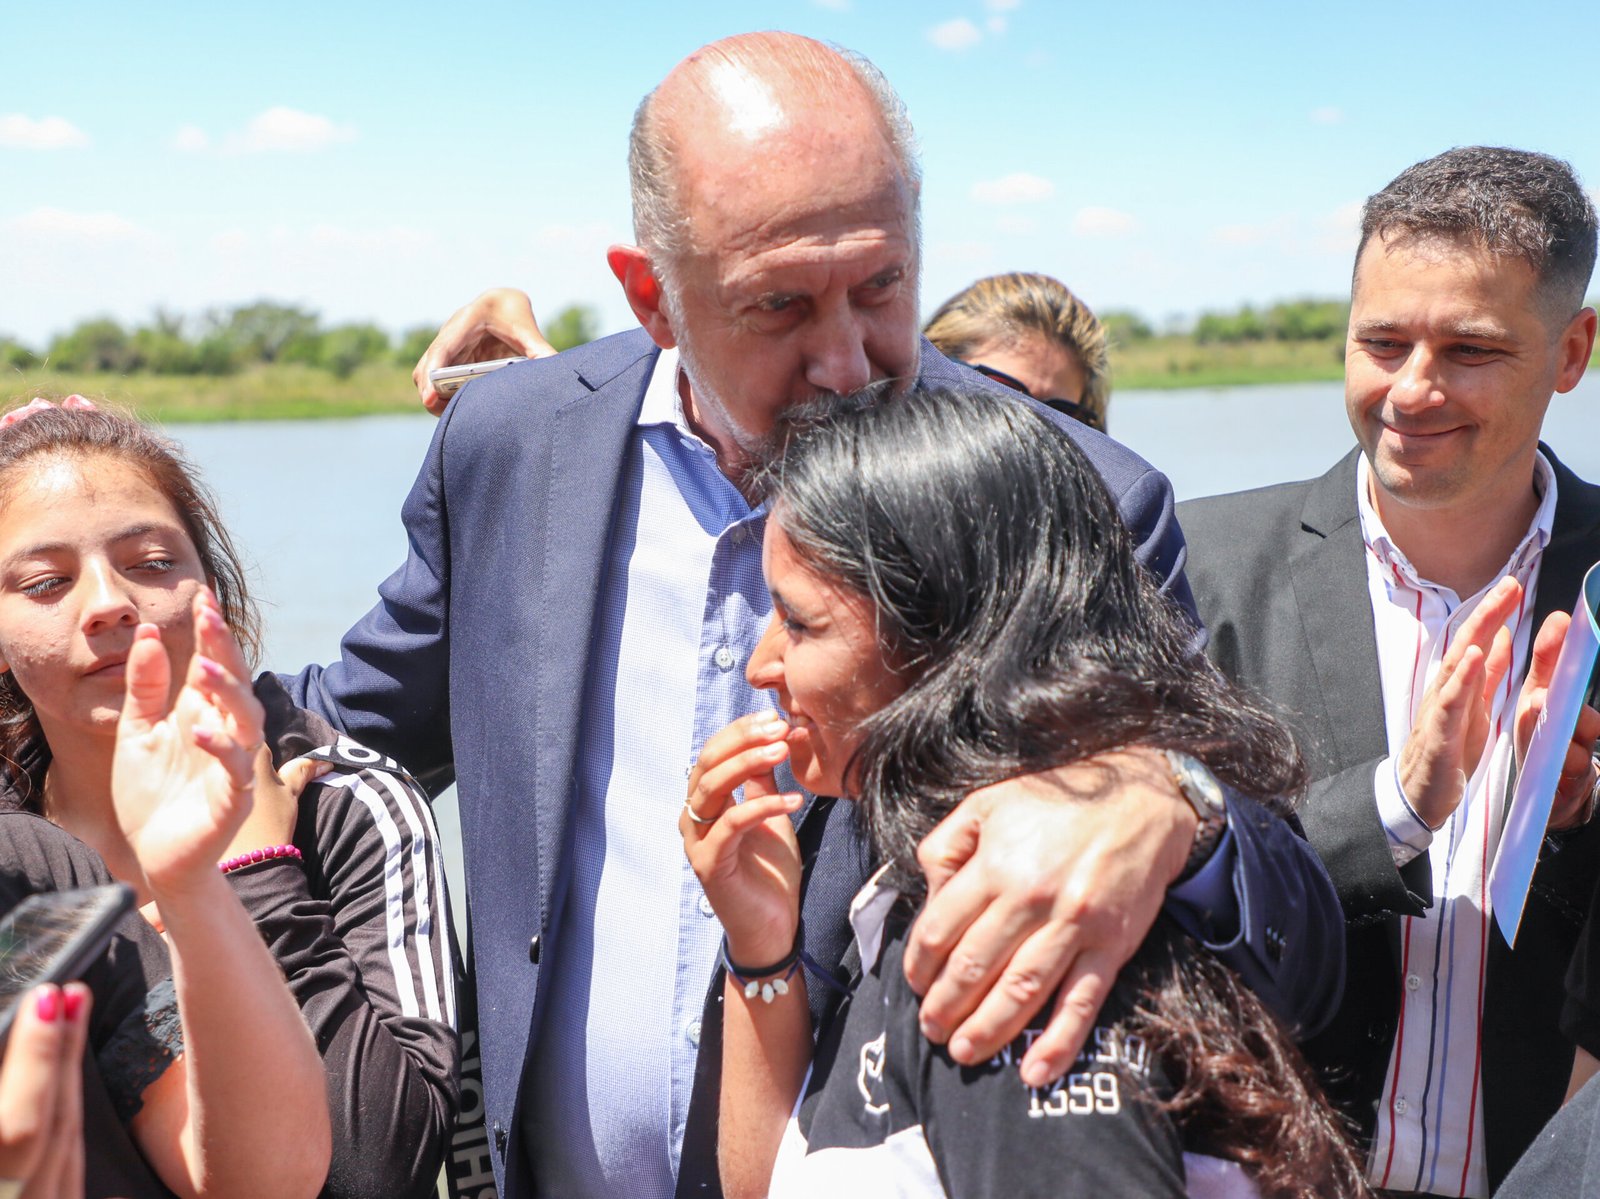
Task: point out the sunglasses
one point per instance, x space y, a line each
1076 409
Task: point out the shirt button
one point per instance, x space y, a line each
693 1032
1401 1107
705 906
724 658
1412 982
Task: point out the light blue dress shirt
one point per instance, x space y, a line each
606 1098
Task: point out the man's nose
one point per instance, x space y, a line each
1416 384
106 600
836 359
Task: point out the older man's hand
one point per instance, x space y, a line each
498 324
1044 883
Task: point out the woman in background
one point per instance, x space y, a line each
1029 332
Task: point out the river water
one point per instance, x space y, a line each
314 506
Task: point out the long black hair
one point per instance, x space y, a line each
1008 599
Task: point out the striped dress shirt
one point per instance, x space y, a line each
1429 1133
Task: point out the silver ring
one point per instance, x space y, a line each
693 815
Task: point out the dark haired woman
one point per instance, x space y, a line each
103 529
954 602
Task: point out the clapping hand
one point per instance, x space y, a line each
1451 730
182 777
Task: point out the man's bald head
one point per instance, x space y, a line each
735 113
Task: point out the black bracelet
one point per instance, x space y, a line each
778 974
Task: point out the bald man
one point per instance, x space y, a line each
582 594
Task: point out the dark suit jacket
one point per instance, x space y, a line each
1281 582
473 665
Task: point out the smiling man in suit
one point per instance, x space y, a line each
582 594
1396 608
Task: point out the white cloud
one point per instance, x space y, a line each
588 234
400 238
20 132
995 25
1103 222
287 130
1002 5
191 139
60 223
1016 224
1327 115
1017 188
230 241
956 34
1244 234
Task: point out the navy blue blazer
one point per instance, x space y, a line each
472 667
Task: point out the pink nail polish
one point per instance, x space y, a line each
74 1003
48 1005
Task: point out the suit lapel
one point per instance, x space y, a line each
590 438
1328 570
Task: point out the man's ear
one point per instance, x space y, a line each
1577 345
631 266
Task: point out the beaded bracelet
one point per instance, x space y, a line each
259 855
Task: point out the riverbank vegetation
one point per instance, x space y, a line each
268 361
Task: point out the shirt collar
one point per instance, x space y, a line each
869 911
1384 548
663 403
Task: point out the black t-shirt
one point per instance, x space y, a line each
887 1113
134 1034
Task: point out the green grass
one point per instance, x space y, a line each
260 393
1171 362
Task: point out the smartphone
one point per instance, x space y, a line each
447 380
53 937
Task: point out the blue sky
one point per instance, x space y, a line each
387 161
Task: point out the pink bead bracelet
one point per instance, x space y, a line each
259 855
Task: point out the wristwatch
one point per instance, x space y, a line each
1200 787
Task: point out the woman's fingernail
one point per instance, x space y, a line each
210 669
775 751
48 1005
961 1049
931 1030
73 1001
1035 1075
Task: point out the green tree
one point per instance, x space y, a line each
16 356
1125 328
413 343
572 326
99 344
262 330
350 346
1307 320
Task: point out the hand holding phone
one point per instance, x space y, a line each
53 937
447 380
